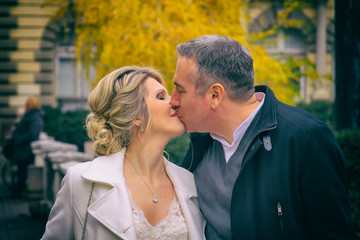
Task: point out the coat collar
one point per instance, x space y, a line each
186 193
266 118
106 169
181 179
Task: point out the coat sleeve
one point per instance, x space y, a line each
324 186
60 224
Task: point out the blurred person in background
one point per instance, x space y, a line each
26 131
130 191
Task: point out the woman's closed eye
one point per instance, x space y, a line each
161 96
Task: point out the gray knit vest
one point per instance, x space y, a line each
215 181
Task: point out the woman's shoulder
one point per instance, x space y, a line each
81 167
76 169
98 162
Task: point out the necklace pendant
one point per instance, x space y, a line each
155 199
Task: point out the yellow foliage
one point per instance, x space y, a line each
112 34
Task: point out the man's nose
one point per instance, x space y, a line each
174 101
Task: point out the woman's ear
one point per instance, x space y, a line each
216 94
137 122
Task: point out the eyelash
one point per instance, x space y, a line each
160 96
179 91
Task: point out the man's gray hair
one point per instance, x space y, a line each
220 60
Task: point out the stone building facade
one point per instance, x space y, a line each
36 59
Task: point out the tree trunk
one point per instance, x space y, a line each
347 63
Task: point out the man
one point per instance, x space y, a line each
263 169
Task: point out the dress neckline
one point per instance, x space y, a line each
142 215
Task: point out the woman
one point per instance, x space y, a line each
130 191
26 131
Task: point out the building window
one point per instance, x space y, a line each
72 88
66 74
287 43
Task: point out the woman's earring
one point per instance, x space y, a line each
142 129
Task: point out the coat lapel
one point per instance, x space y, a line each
106 169
186 193
112 207
113 210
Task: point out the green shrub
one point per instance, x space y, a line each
323 110
66 127
177 148
349 141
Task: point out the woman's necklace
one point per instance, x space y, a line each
155 200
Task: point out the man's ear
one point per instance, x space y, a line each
216 94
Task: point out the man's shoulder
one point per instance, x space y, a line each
297 118
288 116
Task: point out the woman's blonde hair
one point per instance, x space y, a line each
115 103
33 102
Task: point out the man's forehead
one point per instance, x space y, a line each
183 82
185 68
186 62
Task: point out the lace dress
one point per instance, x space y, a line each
171 227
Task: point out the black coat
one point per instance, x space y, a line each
292 183
26 131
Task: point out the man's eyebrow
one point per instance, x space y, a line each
178 85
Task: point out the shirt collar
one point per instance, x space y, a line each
240 130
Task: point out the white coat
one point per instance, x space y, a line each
109 213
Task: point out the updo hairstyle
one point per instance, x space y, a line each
115 103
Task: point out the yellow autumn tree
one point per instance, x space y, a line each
112 34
